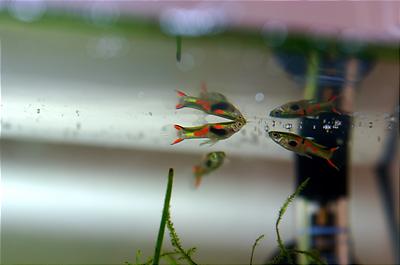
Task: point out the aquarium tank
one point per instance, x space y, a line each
162 132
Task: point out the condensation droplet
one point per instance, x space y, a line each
259 97
288 126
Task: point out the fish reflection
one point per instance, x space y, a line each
210 162
304 108
214 132
303 146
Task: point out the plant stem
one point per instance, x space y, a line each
163 218
178 47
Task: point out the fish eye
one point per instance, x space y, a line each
294 107
292 143
274 134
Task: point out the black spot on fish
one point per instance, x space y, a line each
220 105
219 132
293 143
294 107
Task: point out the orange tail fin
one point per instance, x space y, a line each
332 164
178 127
332 150
198 175
333 98
177 141
180 93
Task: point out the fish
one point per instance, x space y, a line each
212 103
305 108
214 132
303 146
210 162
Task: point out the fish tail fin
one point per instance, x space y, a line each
198 173
178 140
336 111
332 151
332 100
181 96
332 164
180 130
180 93
178 127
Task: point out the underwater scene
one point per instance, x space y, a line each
172 132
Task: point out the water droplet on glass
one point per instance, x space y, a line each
327 127
259 97
288 126
38 111
150 113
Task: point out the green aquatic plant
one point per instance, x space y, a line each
178 48
180 254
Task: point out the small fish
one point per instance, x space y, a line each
211 162
303 146
212 103
304 108
213 131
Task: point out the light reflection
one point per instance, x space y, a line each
27 11
104 13
192 22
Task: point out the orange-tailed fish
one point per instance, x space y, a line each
214 132
303 146
304 108
212 103
210 162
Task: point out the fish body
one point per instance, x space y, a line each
304 108
212 131
303 146
211 162
212 103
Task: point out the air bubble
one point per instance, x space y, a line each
288 126
327 127
259 97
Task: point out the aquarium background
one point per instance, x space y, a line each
87 107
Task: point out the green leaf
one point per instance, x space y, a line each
254 247
164 218
283 251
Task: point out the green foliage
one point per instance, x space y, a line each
283 250
178 48
254 248
176 243
164 218
180 254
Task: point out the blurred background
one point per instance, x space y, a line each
88 102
